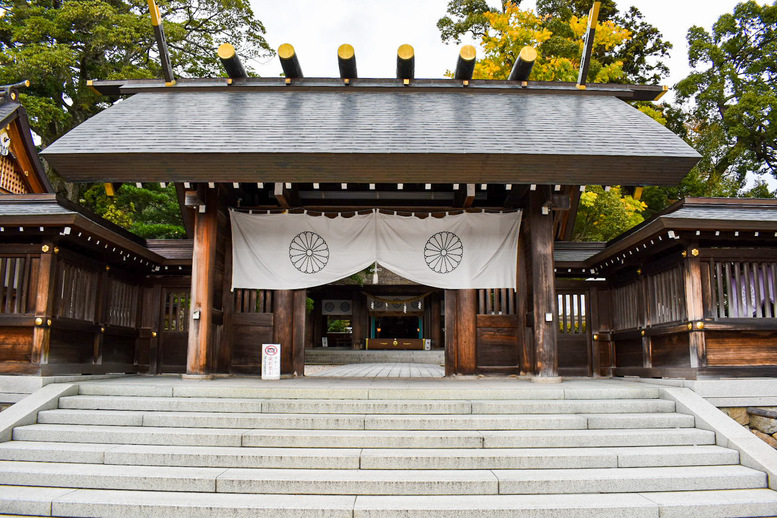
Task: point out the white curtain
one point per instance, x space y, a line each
293 251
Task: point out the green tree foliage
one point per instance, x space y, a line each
641 55
150 212
733 92
605 214
60 45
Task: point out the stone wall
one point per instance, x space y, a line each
762 421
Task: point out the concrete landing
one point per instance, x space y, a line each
380 370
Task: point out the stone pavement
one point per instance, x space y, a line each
380 370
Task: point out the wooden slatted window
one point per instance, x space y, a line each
76 294
123 304
625 306
15 275
176 315
496 301
571 310
253 301
666 296
10 179
744 289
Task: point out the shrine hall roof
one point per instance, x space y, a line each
388 134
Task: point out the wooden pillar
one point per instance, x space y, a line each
466 333
526 361
435 319
283 327
203 276
451 356
224 356
44 304
358 325
298 338
642 309
694 307
545 319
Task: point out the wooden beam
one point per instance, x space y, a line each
568 225
516 196
523 65
198 356
44 305
281 194
451 335
187 215
19 150
231 61
545 318
161 41
694 306
298 338
466 197
346 61
465 65
585 60
289 62
405 62
466 333
283 327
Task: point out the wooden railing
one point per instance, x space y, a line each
499 301
626 308
666 296
123 304
572 312
77 290
253 301
16 275
743 289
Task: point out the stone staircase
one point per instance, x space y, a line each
411 450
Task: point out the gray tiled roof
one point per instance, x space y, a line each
304 135
572 252
724 212
32 209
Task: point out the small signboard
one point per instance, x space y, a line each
427 344
271 361
324 341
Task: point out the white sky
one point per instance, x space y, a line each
316 28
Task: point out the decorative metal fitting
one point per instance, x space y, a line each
642 332
102 329
45 248
153 334
639 271
107 268
699 325
695 252
685 254
48 322
596 337
56 249
690 326
38 321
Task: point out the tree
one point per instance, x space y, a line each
604 214
59 45
641 55
732 92
150 212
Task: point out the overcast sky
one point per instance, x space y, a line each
316 28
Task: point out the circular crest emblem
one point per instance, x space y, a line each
308 252
443 252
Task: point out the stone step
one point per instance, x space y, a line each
433 389
356 458
137 504
164 404
574 406
261 438
284 438
379 482
359 422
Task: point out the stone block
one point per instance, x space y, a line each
716 504
768 439
738 414
766 425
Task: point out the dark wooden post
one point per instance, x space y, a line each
466 321
283 327
435 319
643 305
298 339
224 357
543 283
522 307
694 307
358 325
451 356
44 304
203 276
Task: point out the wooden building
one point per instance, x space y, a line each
690 293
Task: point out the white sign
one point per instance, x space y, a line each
324 341
428 344
271 361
